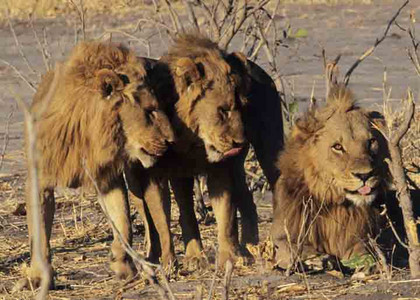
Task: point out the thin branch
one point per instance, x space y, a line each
191 14
213 281
227 279
18 45
145 266
81 11
377 42
41 47
174 17
30 84
6 137
237 21
34 191
211 18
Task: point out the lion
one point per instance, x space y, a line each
332 180
94 114
218 103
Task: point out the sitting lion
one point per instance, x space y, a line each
93 114
217 103
333 176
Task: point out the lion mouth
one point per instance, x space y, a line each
364 191
151 154
232 152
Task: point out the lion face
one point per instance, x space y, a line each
342 149
145 126
219 123
211 90
346 150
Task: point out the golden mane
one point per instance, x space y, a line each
77 129
302 196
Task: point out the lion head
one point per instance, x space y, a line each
335 150
209 87
332 169
102 112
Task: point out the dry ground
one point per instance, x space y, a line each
81 236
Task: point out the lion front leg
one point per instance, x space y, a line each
220 190
155 211
115 204
37 269
183 190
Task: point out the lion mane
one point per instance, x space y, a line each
88 133
312 210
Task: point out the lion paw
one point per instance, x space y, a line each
224 256
33 279
124 270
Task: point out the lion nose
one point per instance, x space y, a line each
363 176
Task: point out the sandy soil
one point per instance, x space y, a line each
81 236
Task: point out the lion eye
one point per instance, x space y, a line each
338 147
151 113
224 112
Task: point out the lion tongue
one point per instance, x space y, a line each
232 152
364 190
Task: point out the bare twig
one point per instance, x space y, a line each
29 83
199 200
145 266
18 45
41 47
237 21
377 42
6 137
397 236
213 282
174 17
227 279
81 12
215 30
191 14
34 191
142 41
382 259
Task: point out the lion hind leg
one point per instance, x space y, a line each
244 200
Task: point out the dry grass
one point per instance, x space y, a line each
82 237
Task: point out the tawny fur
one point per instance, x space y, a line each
94 114
204 89
86 127
311 202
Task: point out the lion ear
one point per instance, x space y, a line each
305 127
107 82
238 61
185 67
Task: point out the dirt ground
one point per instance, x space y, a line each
81 236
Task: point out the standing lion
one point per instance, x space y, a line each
217 103
94 114
332 182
